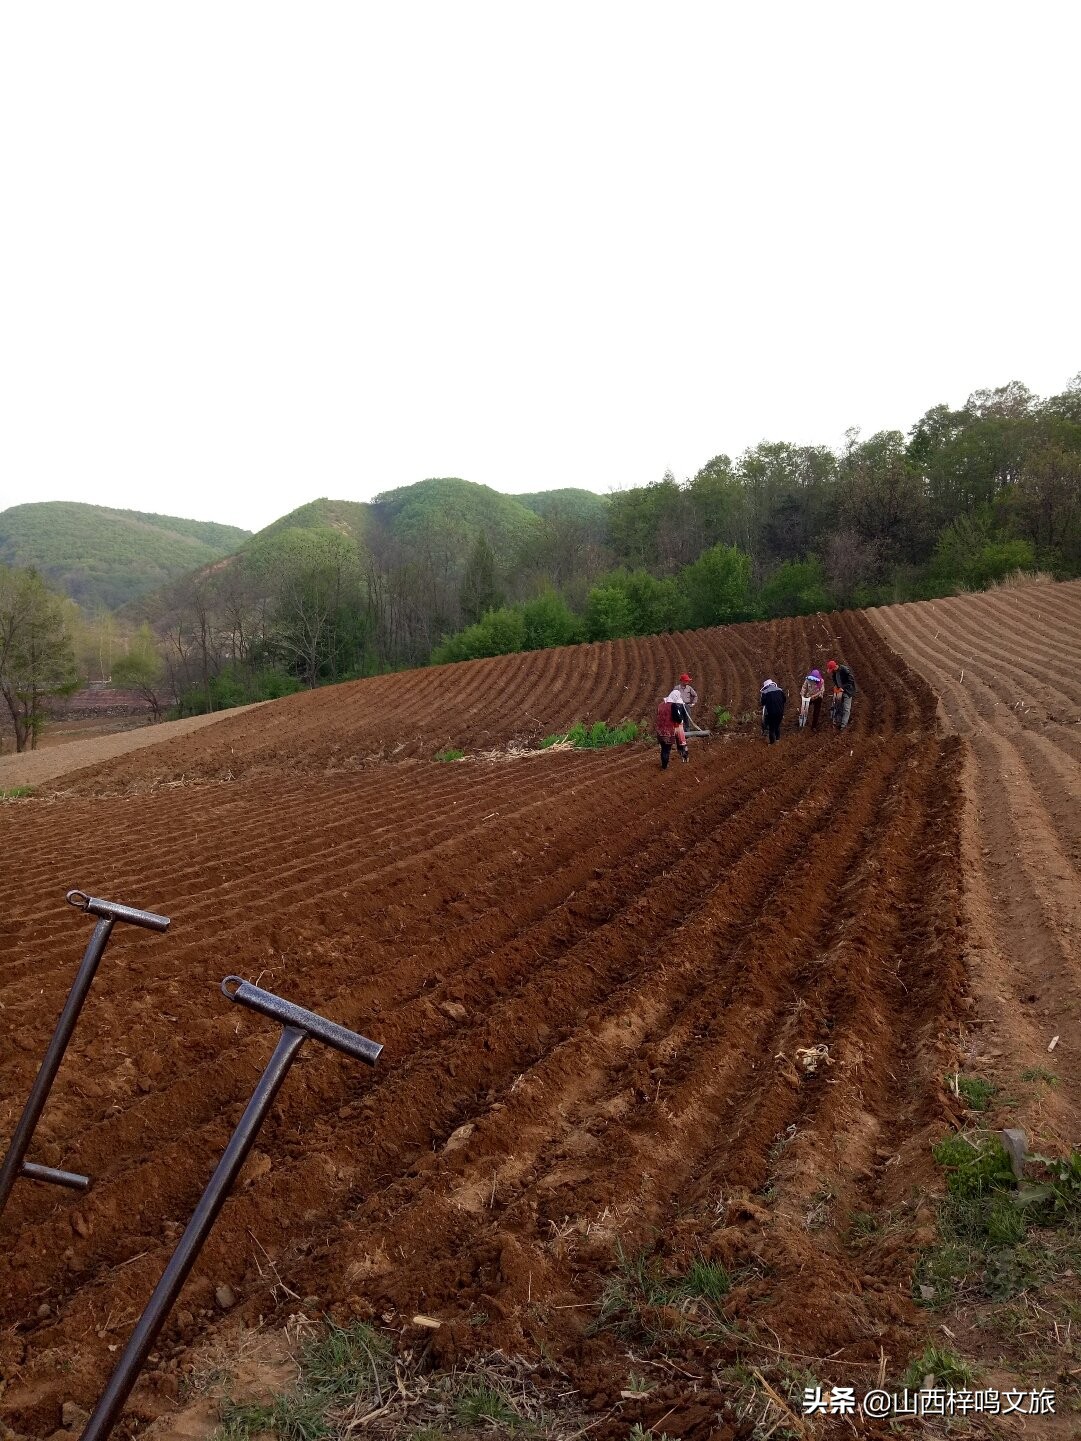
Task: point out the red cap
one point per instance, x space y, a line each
684 678
831 665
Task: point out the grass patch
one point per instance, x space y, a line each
478 1403
641 1299
16 793
1037 1073
974 1167
721 716
450 755
997 1237
976 1093
343 1365
595 737
944 1365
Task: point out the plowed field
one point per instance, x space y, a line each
1007 666
593 981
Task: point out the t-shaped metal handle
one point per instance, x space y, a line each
299 1025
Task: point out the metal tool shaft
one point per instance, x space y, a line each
15 1164
191 1243
39 1093
299 1025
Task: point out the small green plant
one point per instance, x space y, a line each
707 1280
449 755
944 1365
977 1094
862 1225
478 1403
595 737
974 1168
300 1417
16 793
1037 1073
347 1361
721 716
1061 1190
640 1385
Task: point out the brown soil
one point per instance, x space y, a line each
593 981
1007 667
73 745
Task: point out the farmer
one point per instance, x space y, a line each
773 699
673 713
844 688
810 698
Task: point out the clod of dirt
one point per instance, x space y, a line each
454 1009
460 1136
79 1224
44 1311
73 1417
225 1296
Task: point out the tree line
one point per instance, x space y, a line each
962 499
965 498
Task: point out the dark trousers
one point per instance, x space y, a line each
771 726
813 710
666 751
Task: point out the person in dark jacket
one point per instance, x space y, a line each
844 691
773 701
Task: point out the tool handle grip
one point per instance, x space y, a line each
235 988
113 910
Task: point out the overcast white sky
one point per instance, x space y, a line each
255 253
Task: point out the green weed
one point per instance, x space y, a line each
595 737
478 1403
977 1094
1037 1073
343 1363
974 1168
721 716
16 793
707 1280
944 1365
449 755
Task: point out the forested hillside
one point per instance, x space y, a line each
104 557
447 569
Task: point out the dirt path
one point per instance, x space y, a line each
1007 667
623 1011
35 768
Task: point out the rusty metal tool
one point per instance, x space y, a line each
15 1163
299 1025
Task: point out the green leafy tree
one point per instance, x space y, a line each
479 592
143 670
795 588
608 614
717 587
37 658
548 621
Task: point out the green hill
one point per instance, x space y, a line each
456 510
100 556
584 505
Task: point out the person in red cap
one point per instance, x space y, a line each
673 713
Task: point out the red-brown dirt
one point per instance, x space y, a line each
1007 667
593 981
